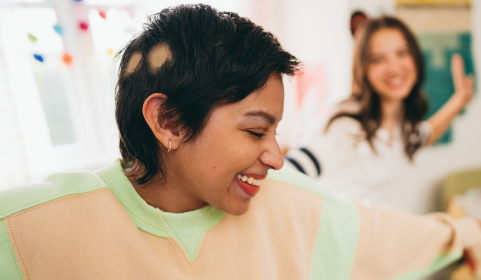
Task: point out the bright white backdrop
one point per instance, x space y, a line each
58 117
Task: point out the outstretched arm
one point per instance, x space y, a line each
398 245
463 86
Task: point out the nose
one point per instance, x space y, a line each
272 156
393 65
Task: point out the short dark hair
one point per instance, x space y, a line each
214 58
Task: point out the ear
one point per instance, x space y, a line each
164 130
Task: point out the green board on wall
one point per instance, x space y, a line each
437 49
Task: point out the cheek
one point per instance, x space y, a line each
224 156
411 67
238 153
374 75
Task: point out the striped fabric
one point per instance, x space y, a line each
305 161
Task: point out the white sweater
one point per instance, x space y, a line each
344 162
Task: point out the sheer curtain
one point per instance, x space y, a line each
57 80
24 142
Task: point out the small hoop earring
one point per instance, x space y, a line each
170 146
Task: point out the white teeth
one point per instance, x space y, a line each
395 82
249 180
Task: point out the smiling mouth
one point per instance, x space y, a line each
248 184
395 82
249 180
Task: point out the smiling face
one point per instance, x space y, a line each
237 144
391 69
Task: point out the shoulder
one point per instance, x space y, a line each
340 123
424 131
344 124
342 128
335 218
302 183
55 186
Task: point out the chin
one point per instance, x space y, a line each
237 210
404 95
398 95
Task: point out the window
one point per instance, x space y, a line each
57 81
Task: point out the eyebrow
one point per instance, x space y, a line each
270 118
406 46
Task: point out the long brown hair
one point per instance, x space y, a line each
369 113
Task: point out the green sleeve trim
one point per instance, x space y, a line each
9 267
58 185
299 180
336 243
338 236
439 262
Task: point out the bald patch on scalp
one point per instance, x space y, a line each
133 62
158 55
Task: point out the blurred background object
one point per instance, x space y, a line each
462 196
57 79
57 82
443 28
357 20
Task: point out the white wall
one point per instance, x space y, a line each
315 32
373 8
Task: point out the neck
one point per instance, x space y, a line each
168 196
391 113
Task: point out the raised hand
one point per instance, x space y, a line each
463 85
463 93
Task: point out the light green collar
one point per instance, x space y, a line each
187 228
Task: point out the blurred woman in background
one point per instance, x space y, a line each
373 135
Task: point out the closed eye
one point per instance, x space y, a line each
404 53
258 135
375 60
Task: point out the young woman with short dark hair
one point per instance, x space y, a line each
199 97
